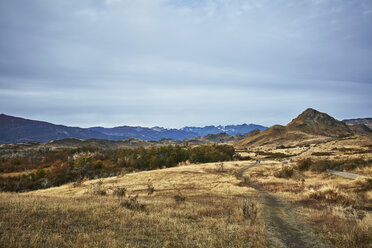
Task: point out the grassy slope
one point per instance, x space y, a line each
67 216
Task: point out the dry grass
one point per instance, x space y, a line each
210 216
342 226
202 205
339 209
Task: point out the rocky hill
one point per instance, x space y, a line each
314 122
310 126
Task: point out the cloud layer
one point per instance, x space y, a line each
177 63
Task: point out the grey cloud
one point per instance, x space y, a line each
175 63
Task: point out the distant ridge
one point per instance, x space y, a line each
19 130
359 121
309 125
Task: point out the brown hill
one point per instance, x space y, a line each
314 122
310 126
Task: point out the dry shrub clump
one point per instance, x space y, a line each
179 198
250 210
363 184
126 201
285 172
329 194
98 188
119 191
131 202
219 167
150 188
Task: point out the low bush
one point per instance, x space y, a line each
330 195
250 210
363 184
179 197
285 172
119 191
98 188
150 188
131 202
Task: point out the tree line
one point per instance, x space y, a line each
50 168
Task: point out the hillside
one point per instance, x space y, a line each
18 130
311 125
359 121
314 122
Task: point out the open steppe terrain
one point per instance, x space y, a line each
268 201
306 184
192 206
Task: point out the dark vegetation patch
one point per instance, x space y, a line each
273 154
351 151
322 153
56 168
325 164
285 172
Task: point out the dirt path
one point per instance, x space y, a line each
288 161
283 227
345 174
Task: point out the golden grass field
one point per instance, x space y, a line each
67 216
200 205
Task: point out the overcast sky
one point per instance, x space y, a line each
184 62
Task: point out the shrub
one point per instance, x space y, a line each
119 191
132 203
150 188
363 184
98 188
304 164
330 195
219 167
179 198
250 210
285 172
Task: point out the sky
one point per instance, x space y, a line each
176 63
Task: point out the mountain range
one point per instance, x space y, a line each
18 130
